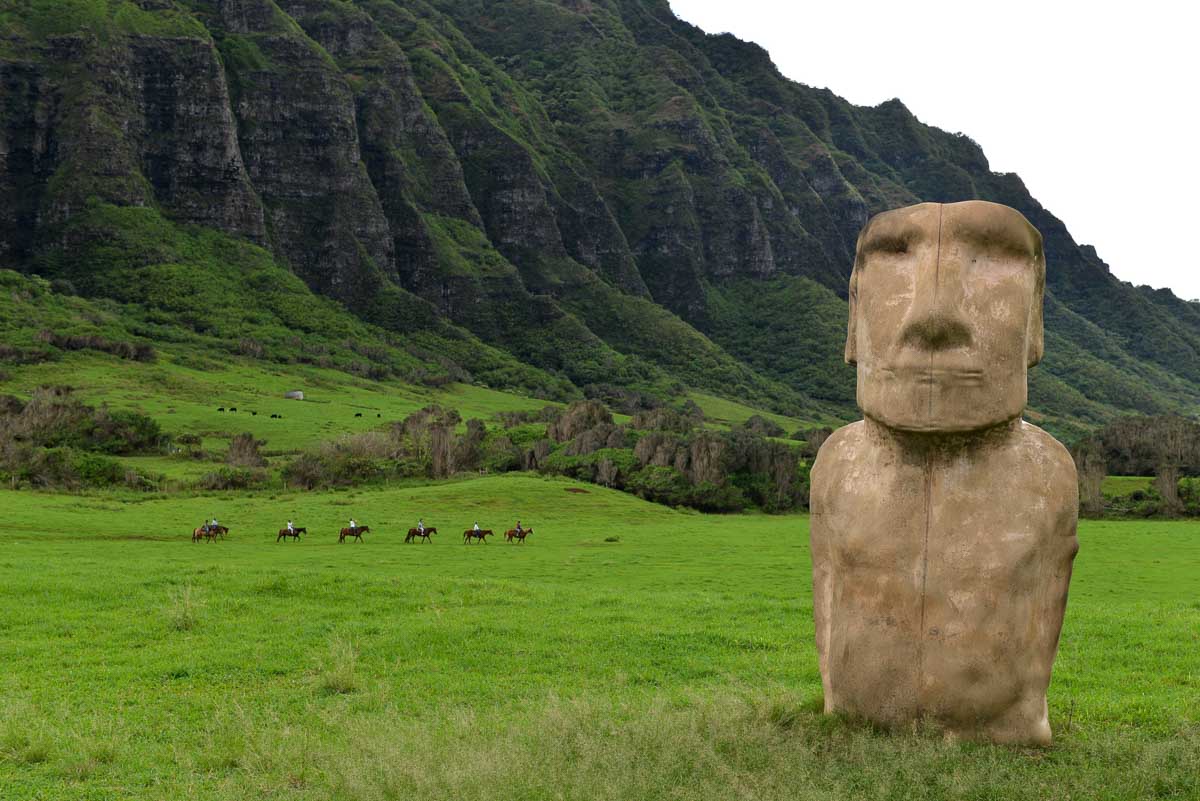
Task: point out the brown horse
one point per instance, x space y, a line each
414 533
220 531
355 533
294 533
203 533
481 535
519 536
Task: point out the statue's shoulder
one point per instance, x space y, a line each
843 447
1044 451
1044 465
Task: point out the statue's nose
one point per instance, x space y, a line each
935 321
936 331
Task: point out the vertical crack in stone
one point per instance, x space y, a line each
924 578
937 275
937 268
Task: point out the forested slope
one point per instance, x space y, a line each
613 201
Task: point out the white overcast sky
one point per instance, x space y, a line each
1093 104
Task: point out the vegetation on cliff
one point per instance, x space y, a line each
566 199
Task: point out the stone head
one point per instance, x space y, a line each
946 315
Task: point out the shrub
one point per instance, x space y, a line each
337 467
306 471
500 454
233 478
124 433
660 484
134 351
53 418
763 427
244 451
97 471
708 497
18 355
248 346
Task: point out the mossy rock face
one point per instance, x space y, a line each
603 194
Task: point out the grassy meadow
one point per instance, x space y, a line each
627 651
184 399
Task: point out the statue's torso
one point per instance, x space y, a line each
940 577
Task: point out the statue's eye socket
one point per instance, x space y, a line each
889 245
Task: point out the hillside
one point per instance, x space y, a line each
584 197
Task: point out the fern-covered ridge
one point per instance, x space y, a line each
564 199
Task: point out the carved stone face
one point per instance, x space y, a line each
946 315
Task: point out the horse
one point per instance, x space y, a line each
480 535
220 531
356 533
203 533
413 533
519 536
294 533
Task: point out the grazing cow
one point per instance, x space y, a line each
220 408
358 414
233 408
254 414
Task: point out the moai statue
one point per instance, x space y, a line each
943 525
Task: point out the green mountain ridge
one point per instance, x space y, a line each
562 198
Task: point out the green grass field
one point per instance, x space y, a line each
674 663
184 400
1117 486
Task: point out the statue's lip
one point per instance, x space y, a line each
927 373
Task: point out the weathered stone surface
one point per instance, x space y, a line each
943 526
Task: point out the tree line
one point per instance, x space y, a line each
1164 446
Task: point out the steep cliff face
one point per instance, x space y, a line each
598 188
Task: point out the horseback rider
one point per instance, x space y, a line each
476 526
215 526
519 529
291 530
353 526
421 525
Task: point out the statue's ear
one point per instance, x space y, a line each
852 324
1035 336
